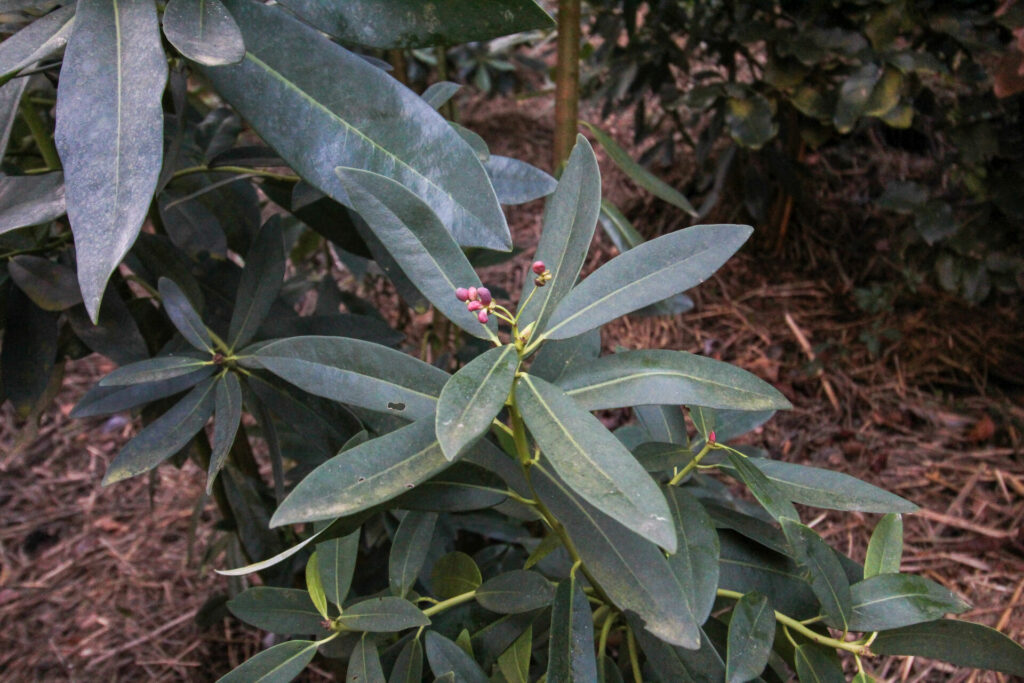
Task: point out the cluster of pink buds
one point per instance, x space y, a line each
541 271
478 300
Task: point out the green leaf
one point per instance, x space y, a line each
645 274
279 664
514 663
890 601
278 610
117 335
454 574
203 31
632 571
51 286
382 615
514 592
364 663
390 24
409 550
663 423
408 666
30 200
227 418
570 217
751 634
438 93
460 488
695 563
155 369
957 642
260 283
676 664
473 397
337 564
106 400
165 436
654 456
556 358
314 586
517 182
885 550
185 318
825 573
593 462
766 492
374 122
418 242
750 120
37 41
570 645
827 489
854 97
618 228
746 567
28 353
110 132
356 372
10 101
817 664
478 144
638 174
445 656
369 474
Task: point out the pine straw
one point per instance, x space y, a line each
98 584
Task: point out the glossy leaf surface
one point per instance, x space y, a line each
204 31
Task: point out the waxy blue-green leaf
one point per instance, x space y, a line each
514 592
473 397
593 462
571 643
727 424
382 615
570 218
279 664
824 573
702 664
185 318
314 586
204 31
411 23
438 93
37 41
957 642
369 474
356 372
415 238
337 565
885 549
478 144
766 492
260 283
445 656
155 369
52 286
165 436
745 567
817 664
408 666
364 663
409 550
890 601
278 610
454 574
110 132
517 182
106 400
638 174
660 376
556 358
30 200
618 228
648 273
374 122
663 423
632 571
751 633
695 562
10 101
228 416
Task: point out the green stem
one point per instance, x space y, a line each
245 170
449 603
441 55
634 660
692 465
606 628
41 134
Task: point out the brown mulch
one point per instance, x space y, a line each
104 584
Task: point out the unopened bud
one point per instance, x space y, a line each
539 281
474 305
527 331
485 295
462 294
538 267
711 437
473 293
482 317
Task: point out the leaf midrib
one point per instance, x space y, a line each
661 373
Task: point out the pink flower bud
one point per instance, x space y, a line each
711 437
538 267
482 317
485 295
474 305
462 294
472 293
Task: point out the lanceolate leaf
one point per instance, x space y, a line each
279 610
179 310
593 462
37 41
445 656
664 424
885 550
314 586
517 182
228 416
417 241
570 218
817 664
767 494
165 436
110 132
660 376
382 615
203 31
337 559
700 665
514 663
648 273
411 23
260 283
570 645
957 642
409 664
102 400
695 562
364 663
473 397
747 567
409 550
155 370
557 358
52 286
279 664
374 122
890 601
356 372
514 592
30 200
371 473
824 573
438 93
751 633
